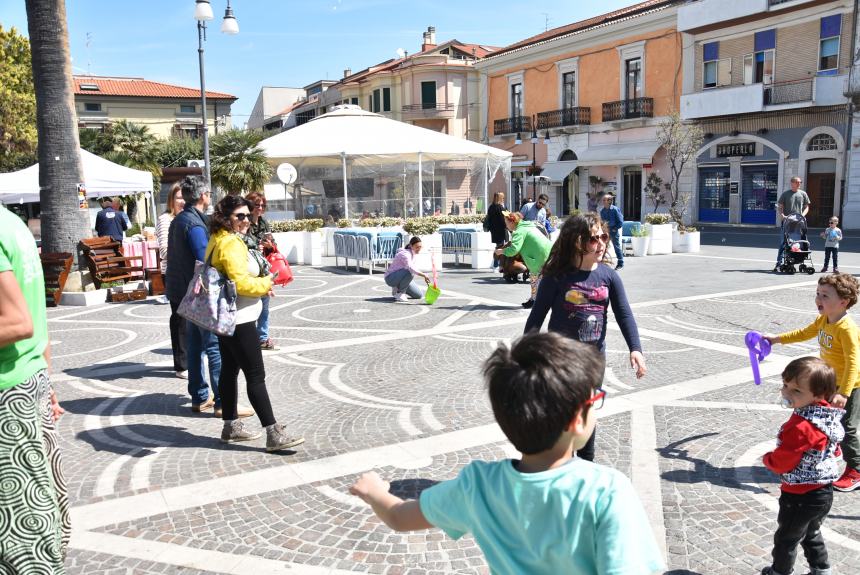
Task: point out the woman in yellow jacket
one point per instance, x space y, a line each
231 257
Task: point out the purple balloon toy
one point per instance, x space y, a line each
759 349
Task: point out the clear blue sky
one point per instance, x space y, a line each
286 42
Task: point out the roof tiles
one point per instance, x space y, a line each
138 87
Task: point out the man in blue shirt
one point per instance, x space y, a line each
110 222
610 214
536 211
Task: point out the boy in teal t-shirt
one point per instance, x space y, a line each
18 254
549 512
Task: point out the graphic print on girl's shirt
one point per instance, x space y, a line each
585 305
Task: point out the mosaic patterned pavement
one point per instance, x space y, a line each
394 387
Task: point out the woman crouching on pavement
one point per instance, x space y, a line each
230 256
402 270
530 244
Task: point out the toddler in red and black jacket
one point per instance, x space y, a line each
807 460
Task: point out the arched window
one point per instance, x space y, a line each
821 143
567 156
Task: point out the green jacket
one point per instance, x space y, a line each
532 245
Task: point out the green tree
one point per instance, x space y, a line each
17 102
238 165
175 151
63 222
133 146
96 142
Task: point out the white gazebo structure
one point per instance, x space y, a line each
357 161
101 177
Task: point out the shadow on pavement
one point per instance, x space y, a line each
161 434
411 488
150 406
123 370
704 472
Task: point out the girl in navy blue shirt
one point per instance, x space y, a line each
578 287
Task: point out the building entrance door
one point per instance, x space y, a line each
632 204
821 189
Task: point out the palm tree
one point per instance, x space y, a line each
134 146
238 165
64 220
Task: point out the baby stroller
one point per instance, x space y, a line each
795 246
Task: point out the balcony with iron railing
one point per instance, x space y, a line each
789 92
563 118
512 125
429 110
628 109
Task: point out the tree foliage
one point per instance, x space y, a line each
681 142
133 145
238 165
17 102
175 151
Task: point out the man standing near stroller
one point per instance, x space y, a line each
793 201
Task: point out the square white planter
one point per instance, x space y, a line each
328 241
482 250
660 237
84 298
430 244
640 245
688 242
292 245
313 247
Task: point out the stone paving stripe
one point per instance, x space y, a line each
725 405
130 336
752 459
80 313
316 295
191 558
645 470
158 345
706 296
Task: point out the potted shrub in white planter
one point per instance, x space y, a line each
299 240
660 231
425 228
639 239
685 239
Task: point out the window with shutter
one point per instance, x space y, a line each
724 72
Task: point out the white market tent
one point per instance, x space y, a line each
393 160
102 178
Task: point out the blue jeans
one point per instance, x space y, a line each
781 249
201 341
263 321
616 244
402 280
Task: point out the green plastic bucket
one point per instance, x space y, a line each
432 294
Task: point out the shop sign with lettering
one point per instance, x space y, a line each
729 150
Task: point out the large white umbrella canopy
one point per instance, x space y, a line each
101 177
351 131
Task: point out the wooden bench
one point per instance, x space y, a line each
56 268
107 263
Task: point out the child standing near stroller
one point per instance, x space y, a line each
832 235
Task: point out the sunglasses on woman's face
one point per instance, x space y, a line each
241 216
601 238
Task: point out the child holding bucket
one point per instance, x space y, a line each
402 270
578 287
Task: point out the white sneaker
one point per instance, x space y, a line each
401 297
162 300
182 374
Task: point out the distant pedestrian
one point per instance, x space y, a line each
401 271
34 504
531 244
547 512
259 237
241 351
535 211
494 222
837 336
110 222
614 220
793 201
832 236
178 334
578 287
806 460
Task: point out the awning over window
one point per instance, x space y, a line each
558 171
630 153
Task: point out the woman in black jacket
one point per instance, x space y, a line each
494 222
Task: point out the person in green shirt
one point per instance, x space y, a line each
530 244
36 531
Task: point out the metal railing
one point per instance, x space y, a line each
361 248
627 109
428 107
457 243
563 117
512 125
789 92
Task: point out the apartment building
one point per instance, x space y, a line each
165 109
272 107
766 80
580 105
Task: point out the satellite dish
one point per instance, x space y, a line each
287 173
401 52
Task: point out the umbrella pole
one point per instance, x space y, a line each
420 188
486 180
345 197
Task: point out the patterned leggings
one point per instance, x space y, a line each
534 281
34 504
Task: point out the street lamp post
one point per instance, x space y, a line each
203 13
534 156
